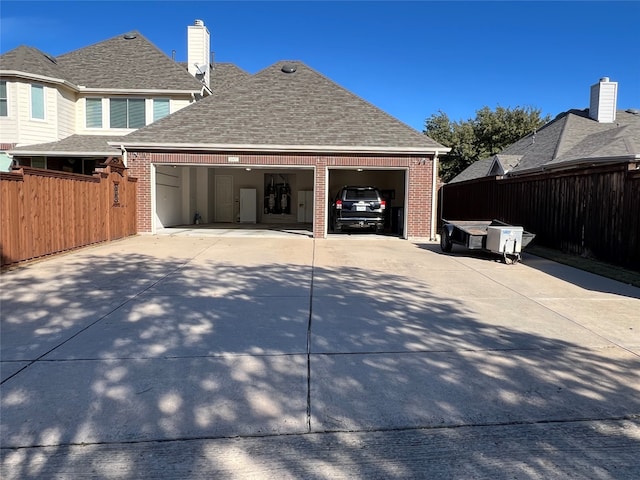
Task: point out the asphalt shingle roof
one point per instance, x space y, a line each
477 169
31 60
225 75
275 108
77 145
126 63
118 63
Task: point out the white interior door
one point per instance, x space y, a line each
305 206
248 205
224 199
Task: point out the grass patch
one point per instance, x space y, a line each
630 277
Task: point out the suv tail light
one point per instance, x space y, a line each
383 204
338 204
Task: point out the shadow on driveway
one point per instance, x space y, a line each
127 367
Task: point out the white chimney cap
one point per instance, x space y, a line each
199 23
604 79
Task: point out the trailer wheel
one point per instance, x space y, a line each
511 258
445 240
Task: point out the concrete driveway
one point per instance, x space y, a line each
360 356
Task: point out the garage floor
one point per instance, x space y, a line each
241 229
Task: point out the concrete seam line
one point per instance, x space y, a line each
128 300
313 261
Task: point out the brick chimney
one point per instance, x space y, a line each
604 97
198 44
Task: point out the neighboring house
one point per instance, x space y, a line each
595 136
268 148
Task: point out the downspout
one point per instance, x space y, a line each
123 151
434 196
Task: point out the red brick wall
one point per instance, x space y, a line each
420 196
140 167
419 170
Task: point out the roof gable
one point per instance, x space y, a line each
503 163
274 108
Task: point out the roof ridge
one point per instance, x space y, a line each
561 137
104 41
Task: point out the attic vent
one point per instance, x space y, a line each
130 36
288 68
633 111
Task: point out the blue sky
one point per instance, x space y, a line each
411 59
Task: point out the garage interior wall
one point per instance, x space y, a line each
384 180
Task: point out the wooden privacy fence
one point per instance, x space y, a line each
593 212
45 212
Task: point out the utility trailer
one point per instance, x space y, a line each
488 235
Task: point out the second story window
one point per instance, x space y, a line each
94 113
3 99
37 102
160 108
127 112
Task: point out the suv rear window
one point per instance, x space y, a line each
355 194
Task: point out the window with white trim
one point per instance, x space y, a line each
160 108
3 99
94 112
37 102
127 112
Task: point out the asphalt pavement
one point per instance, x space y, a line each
196 355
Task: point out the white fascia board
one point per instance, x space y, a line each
74 153
26 153
282 148
39 78
591 161
131 91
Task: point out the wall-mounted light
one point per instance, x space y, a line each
248 169
359 169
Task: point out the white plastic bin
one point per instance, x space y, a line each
504 239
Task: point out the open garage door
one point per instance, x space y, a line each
233 197
391 183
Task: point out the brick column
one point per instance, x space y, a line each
140 167
419 198
320 198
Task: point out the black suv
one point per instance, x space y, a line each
358 207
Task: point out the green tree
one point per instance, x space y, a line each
480 137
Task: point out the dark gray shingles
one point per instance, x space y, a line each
31 60
225 75
75 144
588 139
129 64
275 108
537 148
477 169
